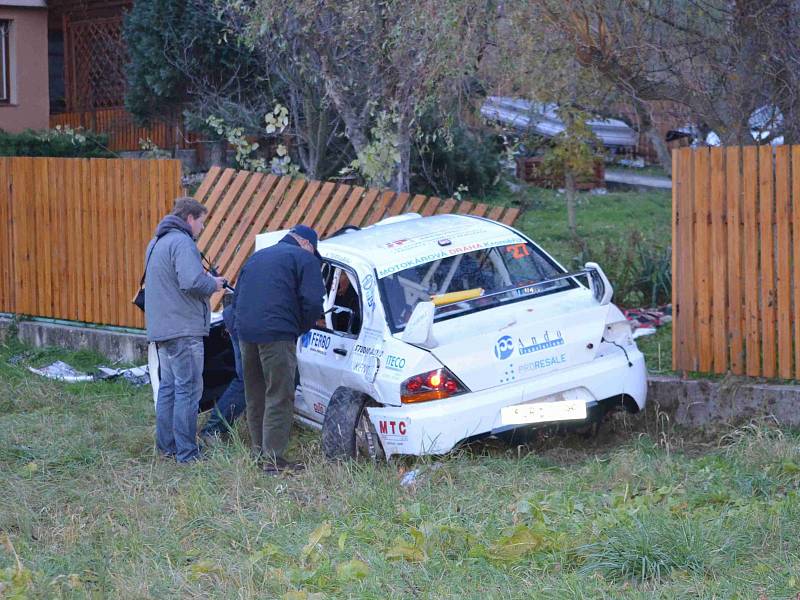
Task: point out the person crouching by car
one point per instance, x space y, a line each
278 298
177 316
232 402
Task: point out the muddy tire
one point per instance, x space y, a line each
347 431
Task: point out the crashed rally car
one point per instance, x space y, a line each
438 330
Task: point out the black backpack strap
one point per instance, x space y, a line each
147 262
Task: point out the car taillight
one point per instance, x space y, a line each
433 385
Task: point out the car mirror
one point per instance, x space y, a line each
419 327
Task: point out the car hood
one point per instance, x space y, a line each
522 340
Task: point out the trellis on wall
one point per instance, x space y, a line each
95 55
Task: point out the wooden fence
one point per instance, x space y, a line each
736 260
76 229
123 133
74 233
242 204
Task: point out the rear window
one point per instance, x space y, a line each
487 278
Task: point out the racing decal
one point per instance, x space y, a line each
393 430
543 363
394 434
504 347
364 368
395 363
372 335
367 354
509 374
367 350
338 257
368 285
518 251
441 243
319 408
315 342
547 341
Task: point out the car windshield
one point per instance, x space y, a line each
471 281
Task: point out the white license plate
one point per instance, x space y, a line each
543 412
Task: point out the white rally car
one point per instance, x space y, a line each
442 329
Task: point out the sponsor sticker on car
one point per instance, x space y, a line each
314 341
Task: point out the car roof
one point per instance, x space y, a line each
404 241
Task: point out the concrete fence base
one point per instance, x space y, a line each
701 403
117 346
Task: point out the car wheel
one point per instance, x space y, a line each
347 431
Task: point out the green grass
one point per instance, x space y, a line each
649 170
601 219
657 350
641 511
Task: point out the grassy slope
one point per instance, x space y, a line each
600 218
637 513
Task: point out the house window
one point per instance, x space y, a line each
5 63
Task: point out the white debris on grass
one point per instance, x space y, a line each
61 371
135 375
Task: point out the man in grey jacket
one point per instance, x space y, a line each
177 316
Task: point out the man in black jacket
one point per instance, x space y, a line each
278 298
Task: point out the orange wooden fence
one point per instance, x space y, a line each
75 230
242 204
736 260
74 233
123 133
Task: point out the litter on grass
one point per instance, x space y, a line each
61 371
646 321
135 375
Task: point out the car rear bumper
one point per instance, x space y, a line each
436 427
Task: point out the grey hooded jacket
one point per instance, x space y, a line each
176 284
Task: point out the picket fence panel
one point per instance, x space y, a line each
736 260
242 204
75 232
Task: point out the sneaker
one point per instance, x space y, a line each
279 466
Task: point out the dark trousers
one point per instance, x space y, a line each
269 391
232 402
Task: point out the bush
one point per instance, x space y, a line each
444 163
641 271
59 142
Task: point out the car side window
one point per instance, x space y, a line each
343 312
346 313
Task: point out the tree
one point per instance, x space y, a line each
187 63
722 59
573 153
536 62
380 63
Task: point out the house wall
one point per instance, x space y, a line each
30 99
